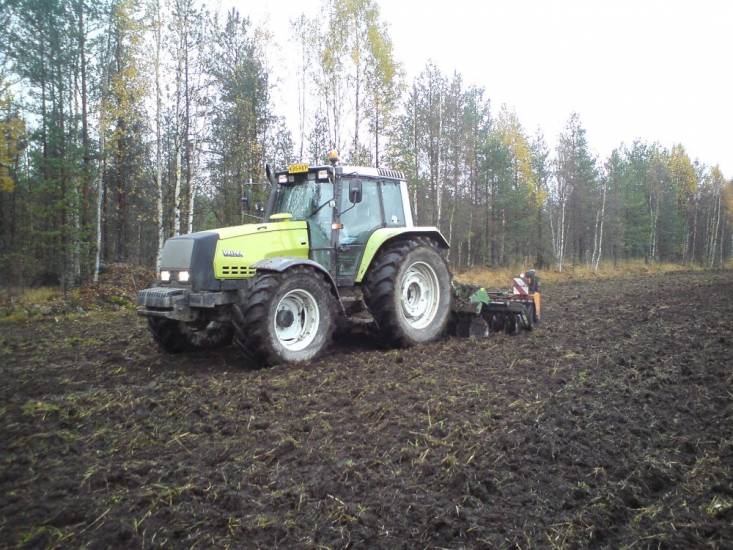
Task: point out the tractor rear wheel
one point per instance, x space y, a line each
408 291
288 317
176 336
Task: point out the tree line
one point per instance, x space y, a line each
124 122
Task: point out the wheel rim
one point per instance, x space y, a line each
419 295
296 320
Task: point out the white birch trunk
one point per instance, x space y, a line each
599 246
553 233
191 200
193 186
438 183
694 231
102 135
469 237
561 240
503 237
595 238
177 194
652 249
417 160
453 205
714 230
158 143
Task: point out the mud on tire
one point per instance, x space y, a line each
287 317
177 336
402 275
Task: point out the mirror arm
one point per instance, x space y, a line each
353 204
317 210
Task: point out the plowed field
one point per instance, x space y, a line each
609 425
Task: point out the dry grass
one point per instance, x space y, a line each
17 305
501 277
30 296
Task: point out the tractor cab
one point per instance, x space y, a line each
343 206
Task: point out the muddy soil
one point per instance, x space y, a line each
609 425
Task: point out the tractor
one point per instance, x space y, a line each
334 240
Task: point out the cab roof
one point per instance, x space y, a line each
350 170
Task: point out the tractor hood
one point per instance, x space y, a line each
219 259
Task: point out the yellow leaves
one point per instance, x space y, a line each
716 182
363 39
539 197
682 171
380 46
7 184
728 199
512 136
12 128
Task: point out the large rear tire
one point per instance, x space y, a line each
408 291
288 317
177 337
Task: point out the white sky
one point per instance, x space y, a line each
650 69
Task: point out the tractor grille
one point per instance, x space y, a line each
237 271
158 297
158 292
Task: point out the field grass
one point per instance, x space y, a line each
29 296
502 276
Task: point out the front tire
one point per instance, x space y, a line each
177 337
408 291
288 318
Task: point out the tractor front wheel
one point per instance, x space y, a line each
176 336
408 291
288 317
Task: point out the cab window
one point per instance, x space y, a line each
361 219
394 215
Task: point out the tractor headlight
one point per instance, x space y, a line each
165 276
183 276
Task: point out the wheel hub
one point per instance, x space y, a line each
419 295
285 318
296 320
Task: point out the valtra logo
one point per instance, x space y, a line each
232 253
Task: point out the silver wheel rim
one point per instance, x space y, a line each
419 295
301 332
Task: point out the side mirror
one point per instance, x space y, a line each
355 191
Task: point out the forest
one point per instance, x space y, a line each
124 122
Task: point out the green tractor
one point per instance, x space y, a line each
336 238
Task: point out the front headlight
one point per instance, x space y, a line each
165 276
183 276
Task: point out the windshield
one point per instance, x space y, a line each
302 200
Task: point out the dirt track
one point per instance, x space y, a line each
610 425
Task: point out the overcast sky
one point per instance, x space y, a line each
655 70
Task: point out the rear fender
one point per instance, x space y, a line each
390 234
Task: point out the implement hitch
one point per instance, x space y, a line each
478 312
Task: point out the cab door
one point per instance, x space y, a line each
380 206
319 227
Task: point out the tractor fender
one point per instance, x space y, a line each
388 234
281 264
